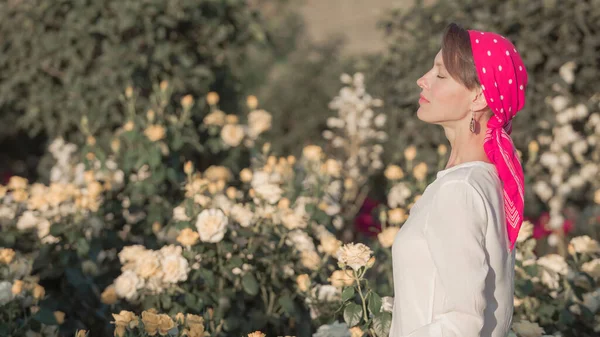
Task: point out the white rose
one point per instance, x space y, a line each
333 330
300 240
174 266
211 225
559 103
566 72
232 134
27 221
179 214
555 263
269 192
6 294
525 231
387 236
355 255
242 215
398 195
259 121
387 304
329 243
327 293
592 268
592 300
127 285
527 329
585 244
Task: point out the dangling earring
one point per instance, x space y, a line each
472 124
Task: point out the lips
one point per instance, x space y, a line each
423 99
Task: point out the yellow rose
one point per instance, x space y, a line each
151 322
216 173
310 260
6 255
17 183
164 84
341 278
125 319
195 326
38 292
187 101
410 153
20 195
256 334
333 167
330 244
128 126
312 152
394 172
109 295
212 98
387 236
59 316
165 324
180 318
534 147
252 102
284 203
17 287
396 216
115 145
356 332
442 149
3 190
155 132
81 333
188 237
303 282
119 331
216 117
91 140
231 192
188 168
420 171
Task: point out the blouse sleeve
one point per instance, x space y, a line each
455 234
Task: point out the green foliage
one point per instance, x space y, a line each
64 59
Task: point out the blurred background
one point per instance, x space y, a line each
95 78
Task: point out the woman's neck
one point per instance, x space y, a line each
465 145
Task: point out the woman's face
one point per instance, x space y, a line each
443 100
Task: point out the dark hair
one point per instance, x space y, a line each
458 56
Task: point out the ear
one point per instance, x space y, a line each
479 103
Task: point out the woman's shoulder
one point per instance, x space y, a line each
479 178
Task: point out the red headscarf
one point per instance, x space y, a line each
503 78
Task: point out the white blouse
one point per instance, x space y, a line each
453 273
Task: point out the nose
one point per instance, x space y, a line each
421 82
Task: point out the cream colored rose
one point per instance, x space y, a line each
310 259
175 267
38 292
211 225
312 152
355 255
396 216
109 295
525 231
242 215
271 193
585 244
387 236
232 134
341 278
127 285
292 220
555 263
330 244
179 214
28 220
356 331
259 121
592 268
125 319
131 253
251 102
420 171
333 167
188 237
216 173
59 316
6 255
17 287
257 334
303 282
155 132
525 328
394 172
216 117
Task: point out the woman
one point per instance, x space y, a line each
453 259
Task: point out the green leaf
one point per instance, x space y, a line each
382 323
352 314
190 300
250 285
348 293
374 303
287 304
45 316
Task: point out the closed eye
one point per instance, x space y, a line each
438 76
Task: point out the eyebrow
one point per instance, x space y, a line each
439 64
